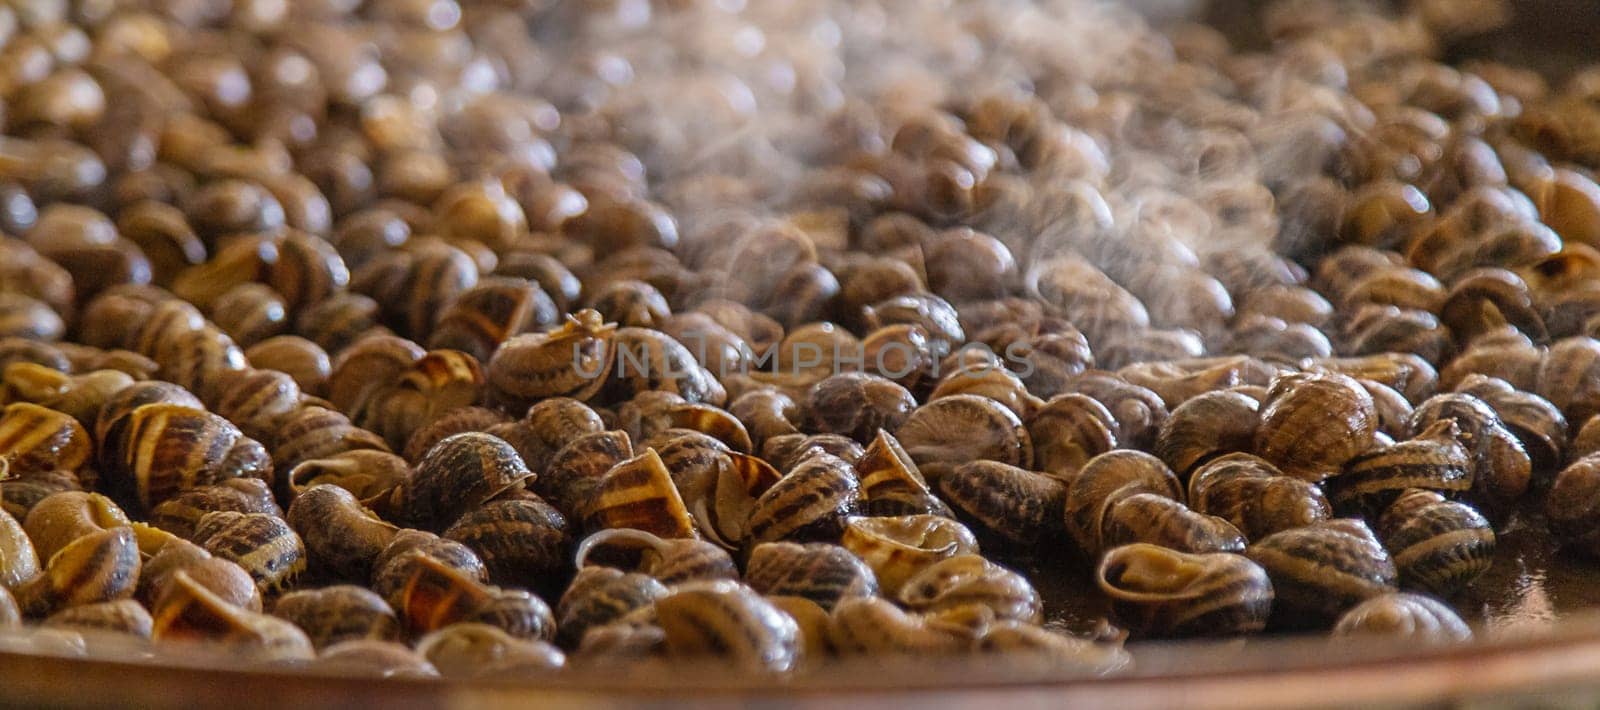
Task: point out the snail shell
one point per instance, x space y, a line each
1069 430
1406 373
785 452
1156 591
315 432
1255 497
159 450
1021 506
639 493
1536 422
1017 640
670 561
857 405
225 579
1439 546
1573 505
470 650
713 422
1158 520
891 483
190 612
339 613
559 421
19 495
457 474
434 594
876 627
256 399
263 544
368 364
817 571
647 413
722 499
811 502
988 380
969 579
574 471
516 612
1104 480
342 538
98 567
35 439
649 360
135 396
488 314
455 421
377 659
1205 427
766 413
573 360
18 561
522 542
1311 424
599 596
1434 460
1321 570
179 514
1137 411
727 619
1570 377
364 473
59 519
897 549
123 616
953 430
1404 615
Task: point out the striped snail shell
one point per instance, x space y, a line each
1156 591
1433 460
458 474
572 474
599 596
35 439
1322 570
339 613
192 613
1106 479
639 493
99 567
969 579
399 560
898 549
434 594
726 619
890 482
342 538
1439 546
517 612
670 560
875 626
18 560
817 571
230 582
1155 519
374 659
1255 497
953 430
364 473
1020 506
522 543
472 650
1413 617
123 616
263 544
160 450
1312 423
572 360
179 514
811 502
1205 427
59 519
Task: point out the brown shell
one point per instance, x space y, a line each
364 472
820 572
1439 546
1255 496
1106 479
342 538
263 544
639 493
891 483
899 548
600 595
488 314
123 616
1434 460
1312 424
523 542
19 562
950 431
970 580
61 518
1404 615
457 474
669 560
193 613
36 440
811 502
337 614
1020 506
180 513
1205 427
1156 591
1069 430
399 560
1159 520
160 450
857 405
573 360
728 620
1321 570
98 567
574 471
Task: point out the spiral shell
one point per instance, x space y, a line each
875 626
376 659
1158 520
600 595
365 473
897 549
1412 617
523 543
1137 411
98 567
1573 505
574 471
486 315
573 360
820 572
59 519
1205 427
1157 591
342 538
399 561
1020 506
456 475
35 439
225 579
123 616
339 613
190 612
1321 570
811 502
1255 497
857 405
179 514
766 413
1439 546
953 430
891 483
263 544
1312 424
639 493
472 650
160 450
434 594
559 421
18 561
729 620
1069 430
1106 479
969 579
669 560
1433 460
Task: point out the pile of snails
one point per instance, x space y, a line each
485 339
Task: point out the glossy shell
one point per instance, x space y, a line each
1163 592
1321 570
